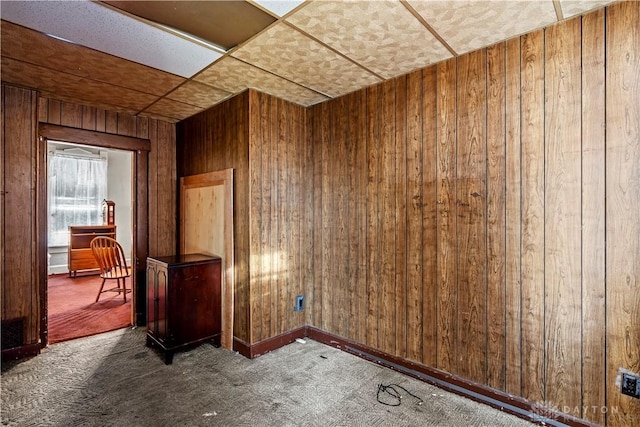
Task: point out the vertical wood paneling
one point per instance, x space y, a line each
401 217
256 272
513 216
19 181
327 214
316 301
352 229
373 236
339 192
387 225
89 119
71 115
562 222
622 205
414 228
19 289
593 217
532 140
430 209
471 216
496 211
446 220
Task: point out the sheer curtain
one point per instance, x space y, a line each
77 187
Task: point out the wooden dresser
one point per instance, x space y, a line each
183 302
80 237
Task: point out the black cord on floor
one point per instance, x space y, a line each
392 390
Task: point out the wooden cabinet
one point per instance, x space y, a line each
183 302
80 237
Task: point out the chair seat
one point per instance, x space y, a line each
116 273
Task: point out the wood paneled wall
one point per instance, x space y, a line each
20 291
477 216
280 200
22 111
264 139
214 140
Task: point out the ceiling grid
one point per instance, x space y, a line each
122 55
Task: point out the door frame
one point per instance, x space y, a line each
221 177
140 148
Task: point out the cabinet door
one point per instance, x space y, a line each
157 300
195 302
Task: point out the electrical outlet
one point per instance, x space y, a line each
630 385
299 303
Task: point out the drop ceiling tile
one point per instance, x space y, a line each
171 109
99 27
59 84
198 94
383 36
31 46
468 25
289 53
573 7
235 76
279 7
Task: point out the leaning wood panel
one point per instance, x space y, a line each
430 208
446 220
496 227
622 205
562 222
532 128
471 216
415 204
593 217
513 371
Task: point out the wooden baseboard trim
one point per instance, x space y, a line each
270 344
514 405
478 392
16 353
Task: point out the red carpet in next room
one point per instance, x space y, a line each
73 313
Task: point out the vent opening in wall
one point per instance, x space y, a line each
12 333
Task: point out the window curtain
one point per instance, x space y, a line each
77 187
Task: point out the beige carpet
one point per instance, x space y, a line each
112 379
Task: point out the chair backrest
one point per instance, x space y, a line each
110 256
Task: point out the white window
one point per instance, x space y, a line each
77 183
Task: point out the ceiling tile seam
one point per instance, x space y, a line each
558 8
188 38
424 22
319 92
84 77
334 50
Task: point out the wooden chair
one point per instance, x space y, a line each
112 263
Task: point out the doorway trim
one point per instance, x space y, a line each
225 178
141 148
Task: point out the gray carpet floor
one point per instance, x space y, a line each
112 379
